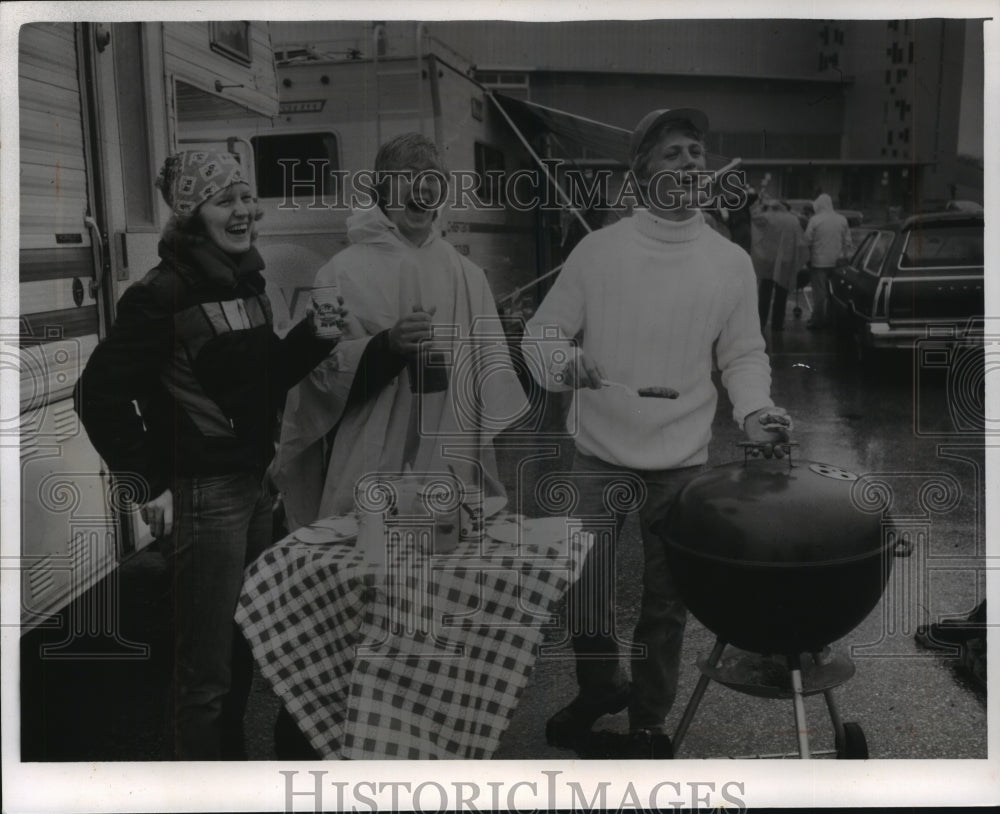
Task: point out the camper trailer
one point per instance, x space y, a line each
101 105
334 110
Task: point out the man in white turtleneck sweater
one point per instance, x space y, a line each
648 299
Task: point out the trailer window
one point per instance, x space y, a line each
490 169
297 167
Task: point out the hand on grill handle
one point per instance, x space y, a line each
768 431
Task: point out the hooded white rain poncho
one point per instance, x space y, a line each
828 234
381 277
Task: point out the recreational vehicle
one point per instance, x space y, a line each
311 160
101 105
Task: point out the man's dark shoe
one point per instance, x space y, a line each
575 720
648 744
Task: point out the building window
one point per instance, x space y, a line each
302 164
509 83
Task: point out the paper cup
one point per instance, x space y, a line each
374 504
440 501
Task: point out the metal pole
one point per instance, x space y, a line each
517 292
798 698
420 76
377 33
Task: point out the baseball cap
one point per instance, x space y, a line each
655 119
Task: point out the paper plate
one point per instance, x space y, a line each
504 532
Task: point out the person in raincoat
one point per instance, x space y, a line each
829 239
370 407
779 251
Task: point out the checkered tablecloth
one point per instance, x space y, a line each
425 658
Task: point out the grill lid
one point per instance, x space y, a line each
773 513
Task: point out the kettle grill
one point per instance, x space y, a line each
778 558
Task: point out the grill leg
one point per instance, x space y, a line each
696 696
795 668
831 705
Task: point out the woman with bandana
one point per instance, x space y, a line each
193 347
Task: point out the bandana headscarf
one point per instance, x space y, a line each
190 178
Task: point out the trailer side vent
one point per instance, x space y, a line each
40 579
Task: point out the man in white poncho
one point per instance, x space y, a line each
829 239
402 284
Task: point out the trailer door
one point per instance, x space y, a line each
89 226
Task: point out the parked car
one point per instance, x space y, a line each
947 205
921 277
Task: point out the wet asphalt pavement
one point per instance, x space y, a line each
916 428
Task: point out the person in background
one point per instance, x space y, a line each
370 407
193 347
739 219
655 299
829 239
779 251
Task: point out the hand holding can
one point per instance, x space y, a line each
328 312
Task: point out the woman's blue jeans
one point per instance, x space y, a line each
606 495
221 524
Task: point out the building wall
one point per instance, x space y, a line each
904 106
706 47
660 46
882 97
798 119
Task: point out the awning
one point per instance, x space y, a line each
604 140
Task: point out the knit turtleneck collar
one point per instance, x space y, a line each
669 231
